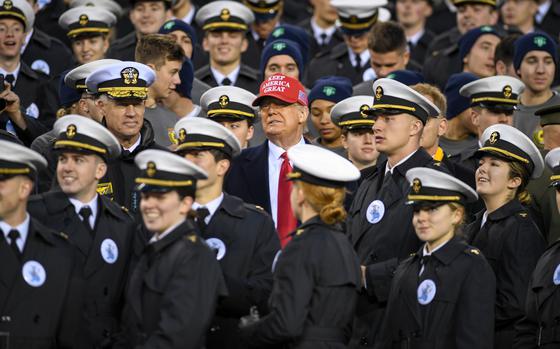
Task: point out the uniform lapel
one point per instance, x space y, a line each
409 289
10 269
256 170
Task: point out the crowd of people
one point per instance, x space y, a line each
279 174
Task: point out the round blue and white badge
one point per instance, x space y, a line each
218 246
556 276
34 273
375 211
109 251
41 66
426 292
276 260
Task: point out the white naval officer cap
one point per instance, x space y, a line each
432 186
16 159
76 78
228 103
87 20
358 16
110 5
351 113
162 171
509 143
552 159
498 91
197 133
319 166
20 10
124 79
393 97
76 133
224 15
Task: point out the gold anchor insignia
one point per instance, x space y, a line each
182 135
130 76
224 101
354 19
494 137
378 92
151 169
507 91
225 14
8 4
416 185
84 19
363 110
71 131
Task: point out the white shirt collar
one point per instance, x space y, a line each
415 38
26 42
194 112
157 237
542 11
484 219
364 57
15 73
92 205
232 76
212 207
317 31
23 230
390 169
135 145
425 249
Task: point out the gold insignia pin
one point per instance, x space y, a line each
523 214
182 135
71 131
494 137
475 251
378 92
507 91
363 110
130 76
416 185
84 19
224 101
299 231
8 4
151 169
225 14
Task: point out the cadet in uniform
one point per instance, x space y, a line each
379 224
232 107
122 89
442 297
241 234
36 280
100 230
317 275
493 101
505 232
225 24
539 326
351 58
88 28
175 280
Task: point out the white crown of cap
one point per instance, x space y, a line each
214 8
20 154
84 70
203 126
169 162
113 71
27 10
322 163
492 84
98 14
552 159
397 89
432 178
110 5
234 93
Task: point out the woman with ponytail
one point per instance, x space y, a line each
504 231
317 275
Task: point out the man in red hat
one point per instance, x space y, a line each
258 174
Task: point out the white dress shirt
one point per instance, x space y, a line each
426 253
231 76
318 32
390 169
92 205
274 166
415 38
15 72
212 207
135 145
23 230
156 237
364 58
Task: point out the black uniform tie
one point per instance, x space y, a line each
85 213
358 63
201 214
10 78
226 82
13 235
324 41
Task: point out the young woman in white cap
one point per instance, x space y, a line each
443 295
317 275
540 326
504 231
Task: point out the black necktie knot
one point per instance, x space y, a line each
201 214
13 235
10 78
226 82
85 213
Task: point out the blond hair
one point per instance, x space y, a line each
328 202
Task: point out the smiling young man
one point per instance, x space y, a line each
100 230
175 280
225 24
535 59
165 57
379 224
88 29
246 249
122 89
147 16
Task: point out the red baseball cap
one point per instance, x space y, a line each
284 88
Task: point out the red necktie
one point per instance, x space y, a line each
286 220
